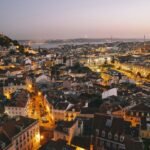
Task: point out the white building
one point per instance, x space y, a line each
20 133
65 130
42 78
18 105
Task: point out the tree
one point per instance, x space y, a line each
21 49
12 52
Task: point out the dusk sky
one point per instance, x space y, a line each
63 19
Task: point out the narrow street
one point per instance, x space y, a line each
38 109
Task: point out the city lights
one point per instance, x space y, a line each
74 75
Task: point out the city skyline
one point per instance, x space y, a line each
68 19
74 74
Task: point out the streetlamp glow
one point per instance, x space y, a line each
39 93
30 86
41 137
37 137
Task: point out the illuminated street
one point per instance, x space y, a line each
39 110
74 75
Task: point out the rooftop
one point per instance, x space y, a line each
11 127
63 126
19 99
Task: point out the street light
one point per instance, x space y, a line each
39 93
37 137
41 137
8 96
30 86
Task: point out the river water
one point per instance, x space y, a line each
55 45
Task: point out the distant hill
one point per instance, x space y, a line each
6 41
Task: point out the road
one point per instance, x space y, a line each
38 109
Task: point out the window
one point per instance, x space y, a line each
121 138
27 133
121 147
109 122
79 123
114 146
31 145
148 126
97 132
17 142
101 143
64 138
20 139
148 119
116 137
103 133
142 134
108 144
109 135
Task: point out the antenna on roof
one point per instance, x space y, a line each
111 38
144 42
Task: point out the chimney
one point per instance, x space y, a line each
17 118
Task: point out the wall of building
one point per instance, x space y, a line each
28 139
7 90
16 111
